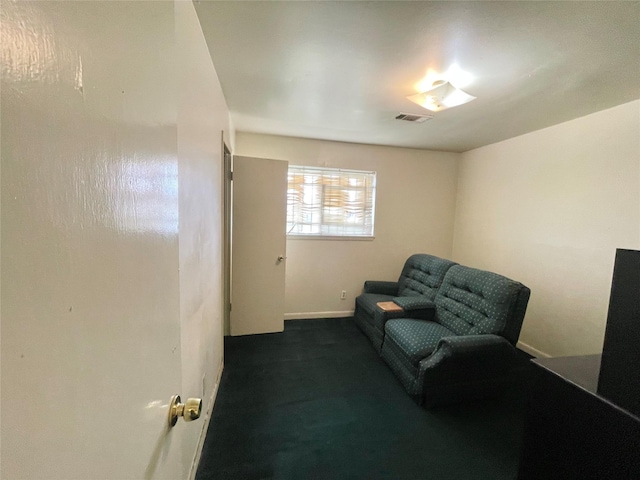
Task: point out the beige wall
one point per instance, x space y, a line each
415 202
202 116
549 209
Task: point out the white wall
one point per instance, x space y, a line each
110 301
415 202
549 209
202 116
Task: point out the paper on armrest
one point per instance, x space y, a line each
389 306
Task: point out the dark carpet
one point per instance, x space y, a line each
317 402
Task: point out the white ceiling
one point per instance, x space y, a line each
342 70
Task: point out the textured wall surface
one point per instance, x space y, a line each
202 116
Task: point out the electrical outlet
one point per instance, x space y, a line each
343 295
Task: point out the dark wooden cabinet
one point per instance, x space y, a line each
573 432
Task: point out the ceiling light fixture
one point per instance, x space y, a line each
441 96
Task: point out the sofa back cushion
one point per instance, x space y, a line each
471 302
422 275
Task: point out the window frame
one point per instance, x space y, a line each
328 229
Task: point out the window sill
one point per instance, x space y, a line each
329 237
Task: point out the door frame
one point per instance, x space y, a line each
227 243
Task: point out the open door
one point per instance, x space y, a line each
259 245
91 332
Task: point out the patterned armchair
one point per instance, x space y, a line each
466 350
414 291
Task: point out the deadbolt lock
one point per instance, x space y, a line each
190 410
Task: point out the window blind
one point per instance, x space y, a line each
330 202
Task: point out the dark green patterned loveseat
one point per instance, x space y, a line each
414 291
467 348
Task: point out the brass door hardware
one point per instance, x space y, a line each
190 410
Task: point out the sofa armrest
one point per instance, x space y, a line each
382 316
460 358
465 367
381 287
413 303
416 307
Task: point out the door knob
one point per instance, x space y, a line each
281 258
190 410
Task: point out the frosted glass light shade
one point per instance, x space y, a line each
441 97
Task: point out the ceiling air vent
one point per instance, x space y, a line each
412 117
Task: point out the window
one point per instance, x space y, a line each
330 202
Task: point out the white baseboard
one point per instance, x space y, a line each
308 315
205 426
532 351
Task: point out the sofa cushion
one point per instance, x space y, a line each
417 339
471 301
422 275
